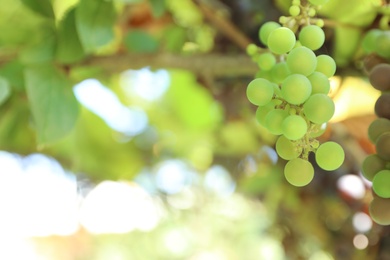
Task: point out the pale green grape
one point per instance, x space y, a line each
264 75
380 210
251 49
281 40
319 83
319 108
262 112
312 37
318 2
286 149
299 172
294 127
279 72
302 60
294 10
382 146
274 119
330 156
266 61
369 40
382 44
260 91
381 184
326 65
296 89
377 128
266 29
371 165
318 130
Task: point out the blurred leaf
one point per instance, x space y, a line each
174 38
13 72
95 20
158 7
140 41
42 7
69 48
5 90
53 105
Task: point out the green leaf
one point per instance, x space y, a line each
13 72
158 7
42 7
141 42
69 48
54 107
94 22
5 90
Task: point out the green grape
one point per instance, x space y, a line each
382 106
381 184
302 60
369 40
319 83
260 91
380 210
380 77
286 149
318 2
371 165
330 156
312 12
312 37
326 65
382 44
319 108
251 49
299 172
266 29
318 130
274 119
320 23
262 112
279 72
377 128
294 127
281 40
294 10
382 146
266 61
296 89
264 75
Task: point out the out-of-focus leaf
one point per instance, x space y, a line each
95 20
174 38
158 7
42 7
5 90
13 72
69 48
141 42
53 105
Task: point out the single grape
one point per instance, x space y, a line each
330 156
279 72
266 29
274 119
380 211
377 128
319 108
318 2
262 112
251 49
382 146
302 60
320 23
382 106
266 61
380 77
371 165
312 12
299 172
281 40
368 42
296 89
294 10
381 184
286 149
260 91
312 37
294 127
319 83
382 44
326 65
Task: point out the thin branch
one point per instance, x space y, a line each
217 65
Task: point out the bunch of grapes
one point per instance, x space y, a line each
291 92
376 167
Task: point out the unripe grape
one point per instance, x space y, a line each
326 65
262 112
371 165
260 91
312 36
368 42
281 40
319 82
294 127
286 149
294 10
319 108
382 44
302 60
274 119
378 127
266 29
380 210
280 72
299 172
382 146
296 89
251 49
266 61
330 156
381 184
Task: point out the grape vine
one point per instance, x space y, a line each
291 91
